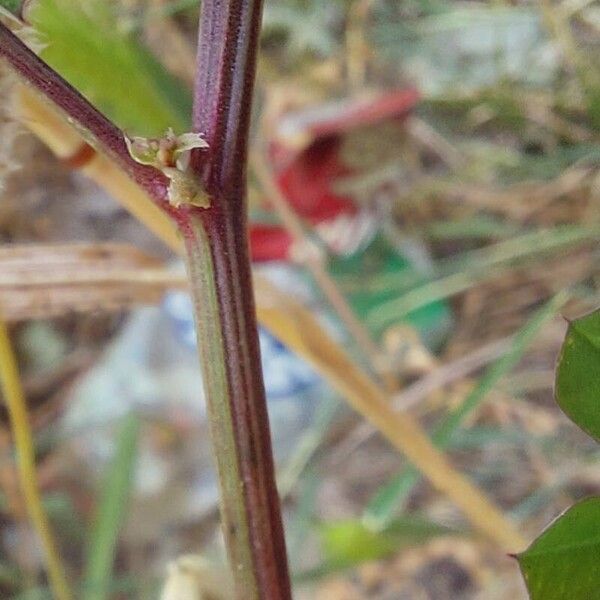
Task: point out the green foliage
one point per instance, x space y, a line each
13 6
110 513
563 563
578 374
89 46
348 542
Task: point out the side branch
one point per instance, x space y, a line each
91 122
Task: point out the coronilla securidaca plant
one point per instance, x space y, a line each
562 563
198 179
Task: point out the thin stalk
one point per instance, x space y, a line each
219 267
23 440
314 262
237 411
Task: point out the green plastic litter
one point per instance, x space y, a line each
432 321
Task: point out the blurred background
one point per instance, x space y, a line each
424 178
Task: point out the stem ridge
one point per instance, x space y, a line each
226 65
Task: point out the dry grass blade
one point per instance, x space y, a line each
45 281
23 441
296 327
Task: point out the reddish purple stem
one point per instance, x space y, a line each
226 66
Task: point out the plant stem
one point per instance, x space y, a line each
219 268
238 417
219 273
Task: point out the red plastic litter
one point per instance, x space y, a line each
305 156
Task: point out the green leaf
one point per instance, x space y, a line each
89 44
578 374
564 562
110 513
348 542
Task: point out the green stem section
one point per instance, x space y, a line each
211 349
